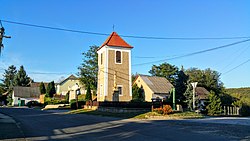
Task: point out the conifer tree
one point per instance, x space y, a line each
88 94
21 78
51 90
42 88
214 106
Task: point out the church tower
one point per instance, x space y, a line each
114 70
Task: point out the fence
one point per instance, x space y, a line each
231 111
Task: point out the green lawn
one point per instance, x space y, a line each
138 115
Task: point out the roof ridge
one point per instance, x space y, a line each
115 40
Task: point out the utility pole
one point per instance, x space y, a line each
173 90
2 36
194 84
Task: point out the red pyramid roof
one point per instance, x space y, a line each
115 40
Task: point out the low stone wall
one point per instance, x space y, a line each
122 110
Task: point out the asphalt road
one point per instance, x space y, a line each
45 125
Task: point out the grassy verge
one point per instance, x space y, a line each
139 115
99 113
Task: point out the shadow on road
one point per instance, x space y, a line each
43 125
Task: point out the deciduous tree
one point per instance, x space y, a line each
89 68
170 72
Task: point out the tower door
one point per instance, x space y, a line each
115 96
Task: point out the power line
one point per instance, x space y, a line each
194 53
236 57
59 73
236 67
128 36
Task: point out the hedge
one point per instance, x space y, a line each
81 103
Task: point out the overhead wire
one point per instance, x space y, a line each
236 57
144 37
127 36
236 67
194 53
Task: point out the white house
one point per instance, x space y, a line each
25 94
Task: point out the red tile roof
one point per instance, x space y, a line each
115 40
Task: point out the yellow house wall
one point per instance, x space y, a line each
69 83
147 91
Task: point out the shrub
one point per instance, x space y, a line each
166 110
158 110
73 103
245 110
48 101
81 97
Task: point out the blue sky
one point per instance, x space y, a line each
51 51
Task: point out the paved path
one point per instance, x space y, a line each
9 129
44 125
224 120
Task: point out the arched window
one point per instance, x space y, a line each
118 57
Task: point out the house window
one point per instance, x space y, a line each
119 90
101 58
118 57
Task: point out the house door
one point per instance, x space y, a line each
115 96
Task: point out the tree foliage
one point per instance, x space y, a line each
9 82
89 68
214 106
207 78
9 78
42 88
189 97
51 90
181 84
137 93
21 78
170 72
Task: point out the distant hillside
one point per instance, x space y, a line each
243 92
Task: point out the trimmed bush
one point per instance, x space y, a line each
73 103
